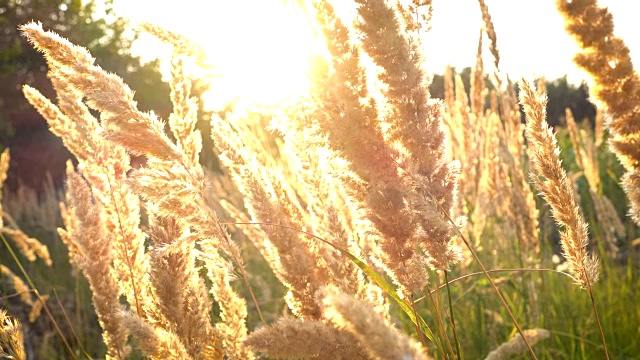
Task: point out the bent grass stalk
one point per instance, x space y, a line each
595 312
245 278
465 276
494 287
415 313
15 294
441 316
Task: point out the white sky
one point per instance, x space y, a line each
531 36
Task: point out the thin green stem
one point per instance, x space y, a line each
453 322
35 291
595 311
493 285
438 317
253 297
17 294
73 331
504 270
499 294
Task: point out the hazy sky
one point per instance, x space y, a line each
258 50
531 36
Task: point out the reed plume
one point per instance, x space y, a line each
380 187
416 123
522 209
516 346
103 163
478 88
70 222
615 84
291 261
158 344
491 33
11 338
94 260
25 293
183 304
379 338
411 191
586 159
551 180
18 285
164 314
296 339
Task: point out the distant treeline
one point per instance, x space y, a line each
561 93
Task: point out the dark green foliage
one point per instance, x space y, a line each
564 95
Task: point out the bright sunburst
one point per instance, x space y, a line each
259 50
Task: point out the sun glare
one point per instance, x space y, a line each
260 54
259 50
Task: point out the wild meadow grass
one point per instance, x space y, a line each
369 221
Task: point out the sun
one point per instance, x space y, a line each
259 50
260 53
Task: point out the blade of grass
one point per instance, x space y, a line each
384 285
434 309
493 284
35 291
453 322
501 270
579 338
437 305
73 331
415 313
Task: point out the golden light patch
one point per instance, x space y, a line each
260 52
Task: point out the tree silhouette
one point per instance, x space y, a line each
560 92
564 95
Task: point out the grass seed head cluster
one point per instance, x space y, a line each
368 161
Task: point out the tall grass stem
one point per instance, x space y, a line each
453 321
35 291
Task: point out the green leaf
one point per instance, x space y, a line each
389 289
